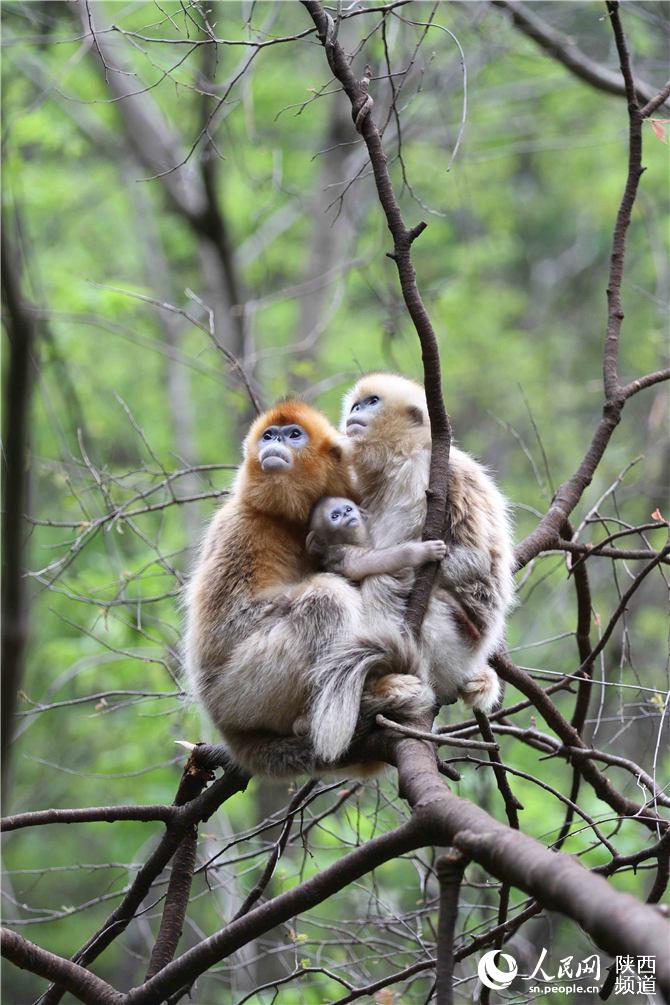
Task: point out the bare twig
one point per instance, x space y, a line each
449 869
438 739
570 492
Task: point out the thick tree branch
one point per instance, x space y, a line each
77 980
617 922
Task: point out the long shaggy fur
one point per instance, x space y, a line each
261 626
349 670
391 459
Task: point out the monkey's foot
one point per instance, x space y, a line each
398 694
483 691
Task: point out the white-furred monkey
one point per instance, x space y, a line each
262 627
386 420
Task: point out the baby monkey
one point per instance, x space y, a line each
339 542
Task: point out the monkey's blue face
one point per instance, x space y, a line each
361 413
343 513
277 445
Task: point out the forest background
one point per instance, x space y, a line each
137 412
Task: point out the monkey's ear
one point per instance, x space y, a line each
415 414
365 516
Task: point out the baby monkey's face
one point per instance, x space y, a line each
339 521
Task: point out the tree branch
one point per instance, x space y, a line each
193 781
186 968
77 980
571 738
617 922
571 491
563 49
449 869
361 109
85 815
183 818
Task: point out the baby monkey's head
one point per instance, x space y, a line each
336 521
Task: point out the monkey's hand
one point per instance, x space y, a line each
433 551
280 604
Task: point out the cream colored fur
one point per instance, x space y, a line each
265 635
391 459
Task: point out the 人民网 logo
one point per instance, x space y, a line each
491 975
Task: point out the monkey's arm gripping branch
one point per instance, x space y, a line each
361 106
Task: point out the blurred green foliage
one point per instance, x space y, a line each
513 268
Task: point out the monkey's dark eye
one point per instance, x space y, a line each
373 399
335 515
295 434
356 405
347 509
267 435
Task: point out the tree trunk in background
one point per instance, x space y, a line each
20 327
330 244
191 190
179 401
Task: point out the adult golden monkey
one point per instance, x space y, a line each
386 421
263 629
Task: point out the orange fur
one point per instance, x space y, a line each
320 469
258 537
265 633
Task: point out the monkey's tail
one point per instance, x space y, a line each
340 682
